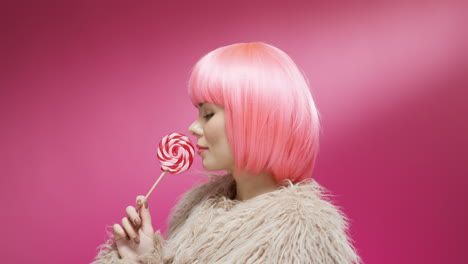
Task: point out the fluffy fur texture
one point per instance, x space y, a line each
296 223
271 119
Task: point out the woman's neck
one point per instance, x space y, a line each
249 185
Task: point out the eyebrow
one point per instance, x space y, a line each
200 104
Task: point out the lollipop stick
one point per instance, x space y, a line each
154 185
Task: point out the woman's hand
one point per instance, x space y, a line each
135 236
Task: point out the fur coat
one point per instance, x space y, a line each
293 224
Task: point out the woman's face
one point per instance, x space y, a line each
212 141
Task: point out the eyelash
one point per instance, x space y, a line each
208 116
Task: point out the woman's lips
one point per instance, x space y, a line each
201 149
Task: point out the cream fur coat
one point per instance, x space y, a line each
293 224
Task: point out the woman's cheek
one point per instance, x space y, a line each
212 132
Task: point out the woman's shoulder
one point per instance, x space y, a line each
307 194
309 204
306 213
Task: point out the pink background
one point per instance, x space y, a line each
88 89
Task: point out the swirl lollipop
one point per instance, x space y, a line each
176 155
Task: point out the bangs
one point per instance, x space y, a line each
205 82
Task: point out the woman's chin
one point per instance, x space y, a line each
206 165
209 167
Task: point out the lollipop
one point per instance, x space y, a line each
176 155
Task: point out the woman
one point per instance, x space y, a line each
258 122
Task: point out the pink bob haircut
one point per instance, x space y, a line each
272 123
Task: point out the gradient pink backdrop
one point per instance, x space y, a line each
88 89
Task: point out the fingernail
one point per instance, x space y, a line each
146 204
138 202
137 240
136 221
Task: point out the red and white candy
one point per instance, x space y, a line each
176 153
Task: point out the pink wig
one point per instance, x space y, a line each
272 123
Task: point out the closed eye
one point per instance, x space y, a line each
208 116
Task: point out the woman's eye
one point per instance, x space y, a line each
208 116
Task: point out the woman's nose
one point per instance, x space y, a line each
195 129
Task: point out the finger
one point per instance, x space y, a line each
144 214
139 201
131 232
119 233
145 217
133 216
